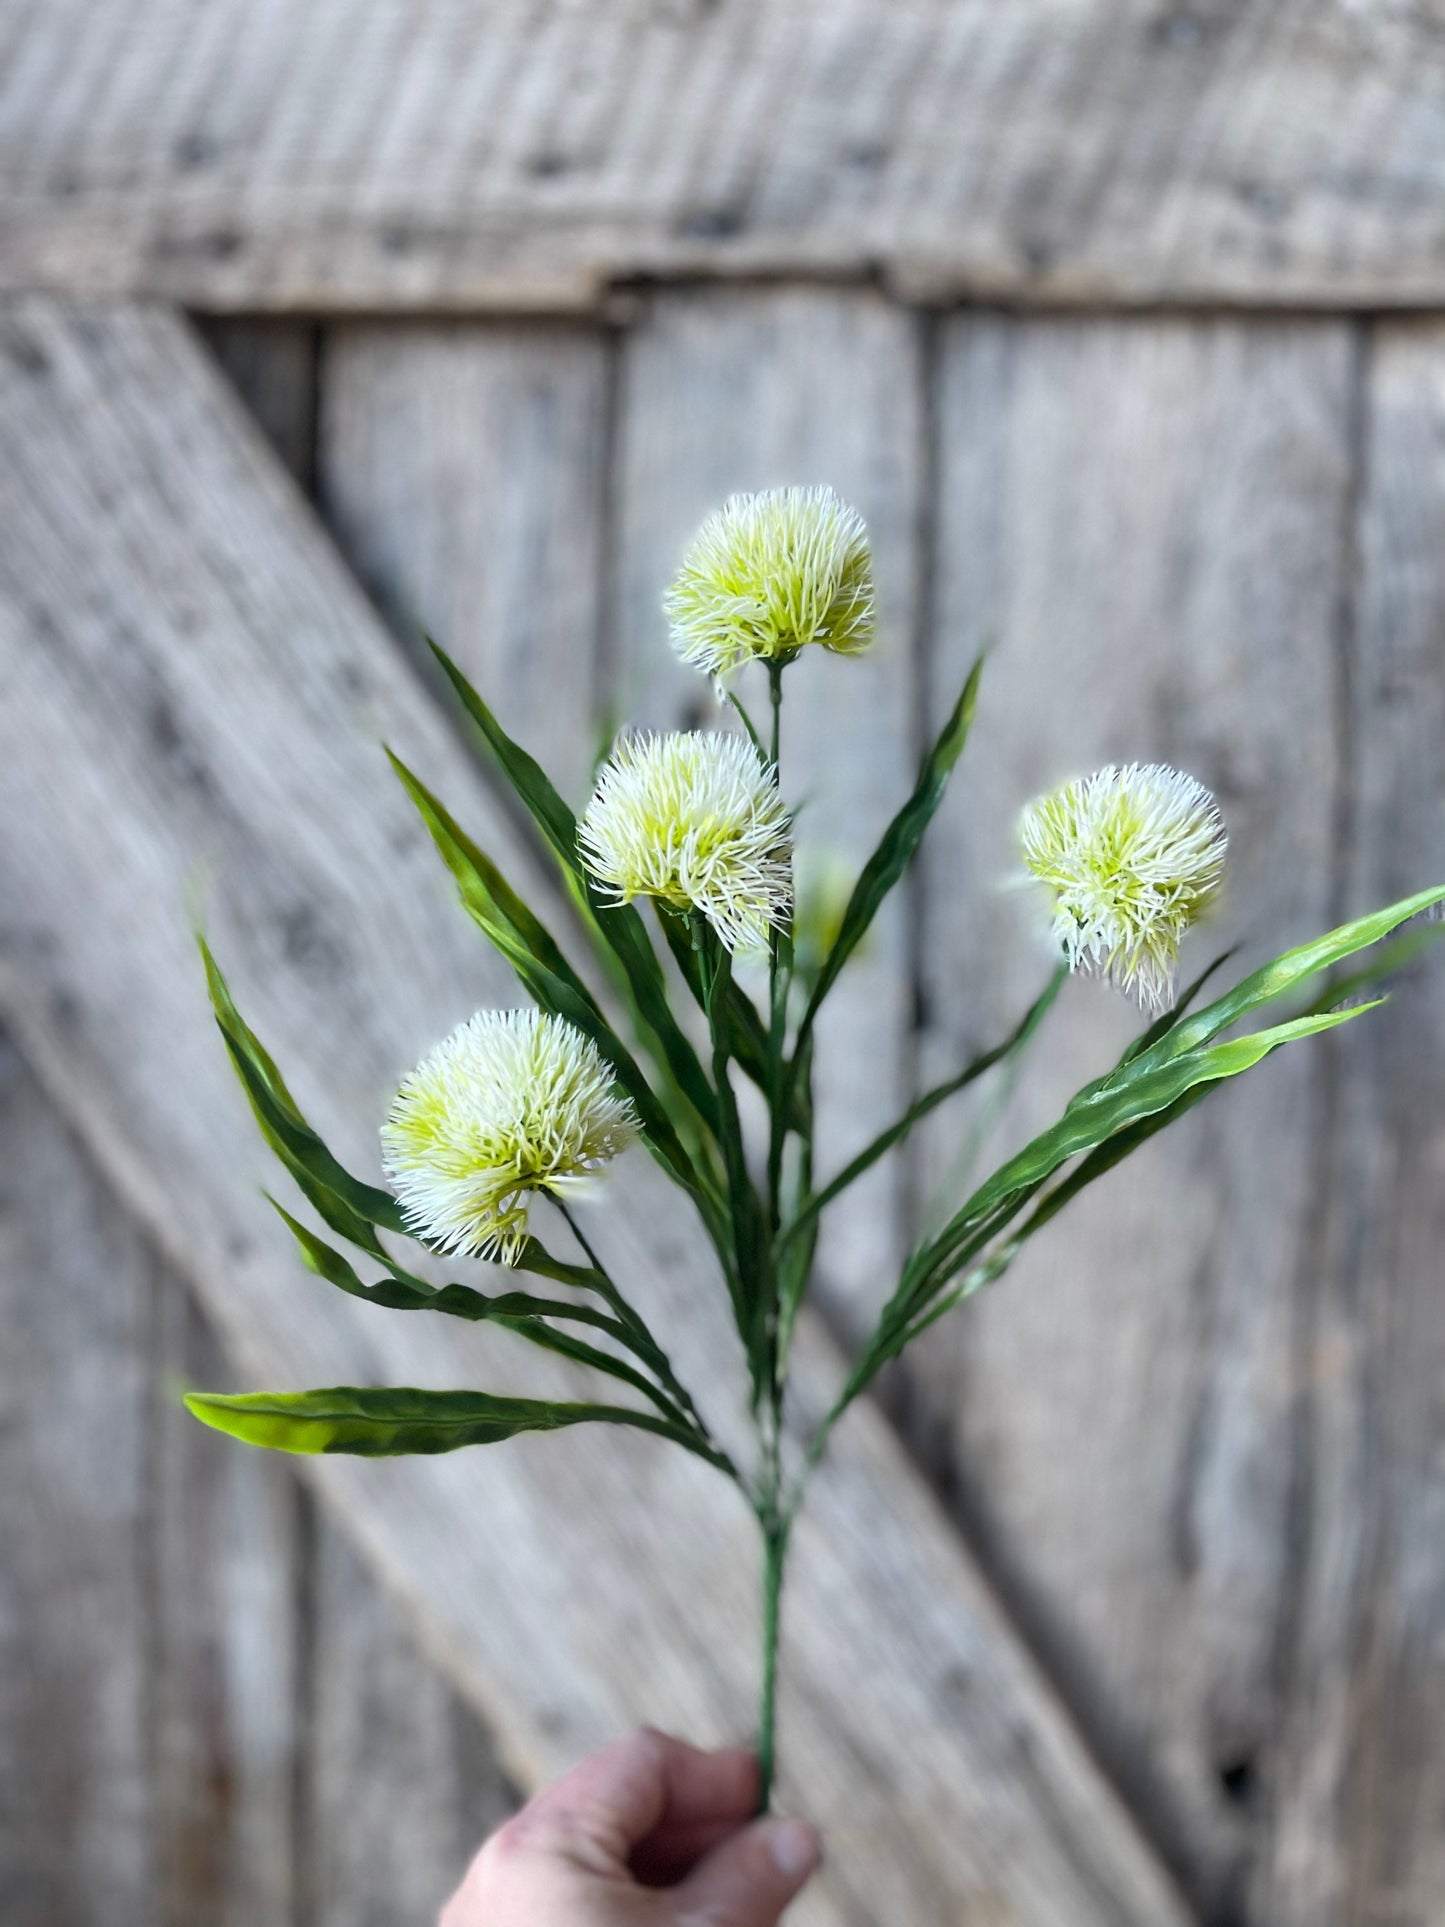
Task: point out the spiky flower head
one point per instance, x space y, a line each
1133 856
767 574
511 1103
696 821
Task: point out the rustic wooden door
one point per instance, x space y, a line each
1125 1602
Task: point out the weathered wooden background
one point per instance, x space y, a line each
1126 1606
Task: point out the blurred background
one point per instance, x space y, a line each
321 326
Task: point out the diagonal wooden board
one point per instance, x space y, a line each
368 154
191 680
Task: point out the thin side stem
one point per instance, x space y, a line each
656 1357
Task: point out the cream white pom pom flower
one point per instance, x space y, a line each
513 1102
768 574
696 821
1133 856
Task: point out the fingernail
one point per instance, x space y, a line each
794 1847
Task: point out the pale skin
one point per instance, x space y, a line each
650 1832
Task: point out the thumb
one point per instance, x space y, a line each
750 1878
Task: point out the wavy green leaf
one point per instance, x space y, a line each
1145 1088
394 1421
515 1311
616 928
352 1208
545 973
899 842
1284 973
884 1142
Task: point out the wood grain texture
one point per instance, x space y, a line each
401 155
462 471
1360 1828
76 1839
401 1784
272 365
208 682
199 1731
1148 521
227 1634
730 391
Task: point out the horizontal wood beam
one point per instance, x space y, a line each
192 683
432 154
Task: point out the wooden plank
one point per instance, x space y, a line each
75 1794
1360 1834
273 367
226 1641
461 469
239 155
569 1592
160 1655
401 1784
1147 521
729 391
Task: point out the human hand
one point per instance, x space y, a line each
647 1833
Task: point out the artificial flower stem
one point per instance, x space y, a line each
776 1525
655 1356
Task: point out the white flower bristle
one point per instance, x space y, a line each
696 821
1133 855
768 574
512 1102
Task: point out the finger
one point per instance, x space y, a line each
671 1853
750 1878
710 1786
599 1811
615 1799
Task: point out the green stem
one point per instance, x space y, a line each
775 1553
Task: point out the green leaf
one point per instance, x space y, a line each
488 898
392 1421
747 1034
885 1141
515 1311
1140 1091
1163 1024
545 972
895 851
528 780
350 1207
1283 974
617 926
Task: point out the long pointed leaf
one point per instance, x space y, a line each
618 927
546 975
351 1207
399 1420
1283 974
895 851
489 899
1143 1091
515 1311
885 1141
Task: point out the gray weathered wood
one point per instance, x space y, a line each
730 391
400 1787
191 1718
248 154
76 1843
462 471
1147 521
1360 1833
273 366
568 1591
225 1647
